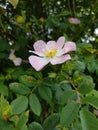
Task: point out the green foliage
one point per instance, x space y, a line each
21 122
19 88
20 103
86 85
51 122
88 120
91 100
3 89
69 113
14 2
35 126
59 97
4 125
35 104
45 93
5 108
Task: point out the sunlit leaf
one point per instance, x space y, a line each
14 2
5 108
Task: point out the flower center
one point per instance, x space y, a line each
13 57
50 53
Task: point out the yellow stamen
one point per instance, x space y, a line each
50 53
14 57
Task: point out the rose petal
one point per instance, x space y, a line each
74 20
37 53
39 46
37 62
60 42
60 60
17 61
60 52
51 44
11 55
69 46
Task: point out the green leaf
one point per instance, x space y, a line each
86 85
3 44
19 88
45 93
52 21
69 113
91 100
35 104
37 75
91 66
64 96
88 120
14 2
5 108
4 125
3 55
27 80
64 13
51 122
2 77
35 126
94 93
19 105
25 127
4 89
79 65
21 122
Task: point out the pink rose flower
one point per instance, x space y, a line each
52 52
16 60
74 20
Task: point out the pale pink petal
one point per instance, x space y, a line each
74 20
39 46
12 51
60 60
17 61
11 55
37 62
60 42
37 53
60 52
69 46
51 44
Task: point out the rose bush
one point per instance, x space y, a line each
52 83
